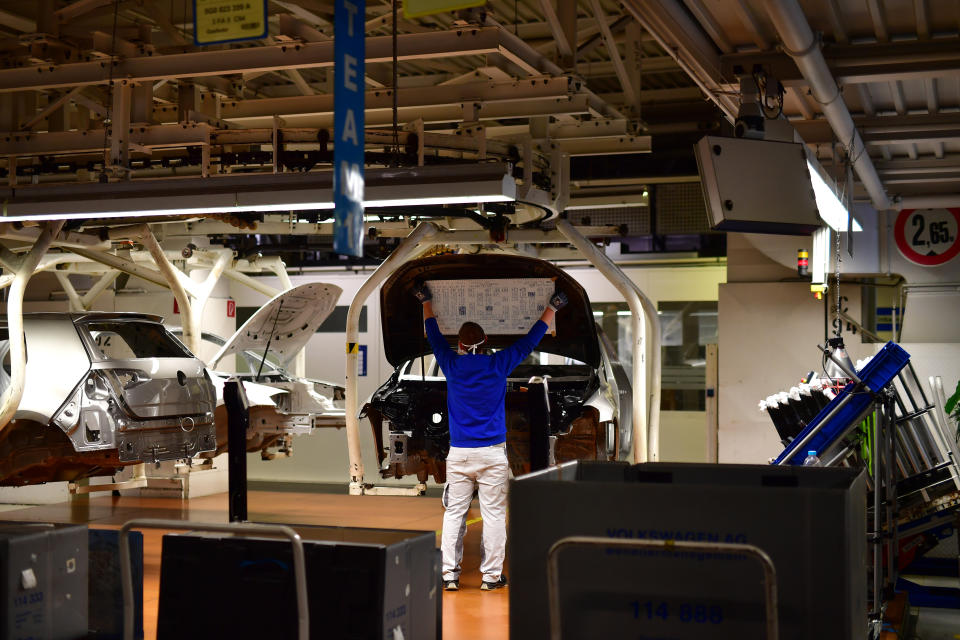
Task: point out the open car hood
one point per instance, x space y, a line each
291 318
402 316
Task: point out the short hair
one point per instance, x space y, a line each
471 334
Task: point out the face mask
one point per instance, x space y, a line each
471 348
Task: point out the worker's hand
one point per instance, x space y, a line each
422 293
558 300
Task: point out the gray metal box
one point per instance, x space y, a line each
370 584
757 186
43 581
811 521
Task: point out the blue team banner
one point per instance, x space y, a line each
348 52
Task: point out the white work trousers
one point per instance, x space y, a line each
485 468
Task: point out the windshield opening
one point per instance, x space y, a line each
129 340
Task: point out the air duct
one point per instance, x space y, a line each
801 44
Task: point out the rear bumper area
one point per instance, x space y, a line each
168 443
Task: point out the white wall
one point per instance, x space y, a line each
769 328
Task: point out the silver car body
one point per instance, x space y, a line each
118 386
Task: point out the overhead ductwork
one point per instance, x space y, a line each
801 44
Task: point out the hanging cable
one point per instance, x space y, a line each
838 320
108 119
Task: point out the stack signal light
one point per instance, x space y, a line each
803 262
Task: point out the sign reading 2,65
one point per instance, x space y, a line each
930 237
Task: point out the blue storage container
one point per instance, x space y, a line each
876 374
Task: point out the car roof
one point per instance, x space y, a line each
88 315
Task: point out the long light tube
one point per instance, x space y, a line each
298 206
829 207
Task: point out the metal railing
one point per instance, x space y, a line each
769 571
241 528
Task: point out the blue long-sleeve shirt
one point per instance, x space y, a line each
477 386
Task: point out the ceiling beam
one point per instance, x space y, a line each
16 21
900 129
836 22
416 46
614 53
564 47
451 94
78 8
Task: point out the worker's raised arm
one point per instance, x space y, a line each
441 350
515 353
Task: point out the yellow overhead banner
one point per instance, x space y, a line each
416 8
217 21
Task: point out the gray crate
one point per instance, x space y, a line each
811 521
375 584
43 581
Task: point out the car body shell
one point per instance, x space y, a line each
91 406
584 403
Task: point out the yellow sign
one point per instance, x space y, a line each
416 8
217 21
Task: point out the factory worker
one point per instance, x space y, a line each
476 389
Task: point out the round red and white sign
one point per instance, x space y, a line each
930 237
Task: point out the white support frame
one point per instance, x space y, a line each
645 448
23 268
428 234
424 235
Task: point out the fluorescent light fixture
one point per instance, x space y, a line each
624 313
291 193
829 207
299 206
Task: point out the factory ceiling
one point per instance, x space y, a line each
96 91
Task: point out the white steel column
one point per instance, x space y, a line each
179 292
23 268
644 448
424 233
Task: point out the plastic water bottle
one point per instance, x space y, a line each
811 460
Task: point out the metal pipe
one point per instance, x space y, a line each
424 232
190 335
253 283
640 306
124 265
98 288
877 555
76 304
652 17
943 201
202 294
769 570
802 45
18 348
242 528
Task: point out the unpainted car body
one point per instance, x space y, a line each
103 390
583 401
282 405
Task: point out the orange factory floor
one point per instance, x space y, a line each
467 615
